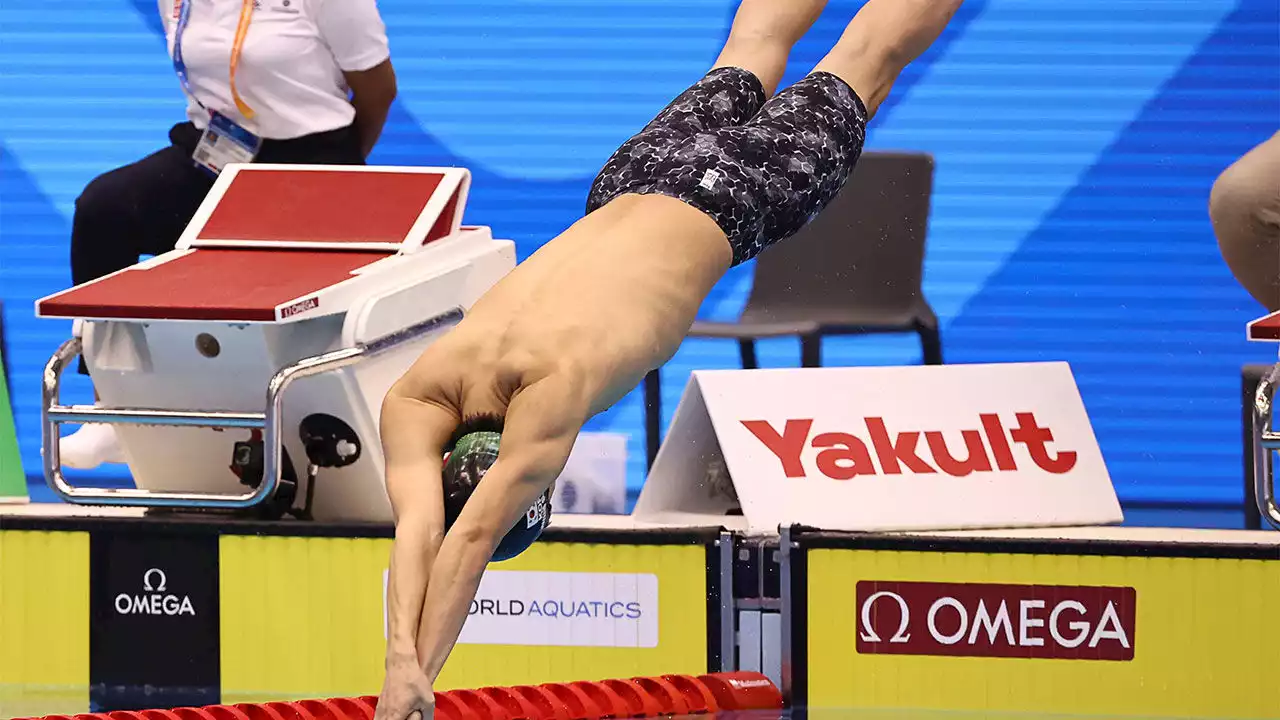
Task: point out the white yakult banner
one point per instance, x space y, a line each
579 609
884 448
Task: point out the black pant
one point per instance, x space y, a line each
142 208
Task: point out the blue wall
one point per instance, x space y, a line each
1076 142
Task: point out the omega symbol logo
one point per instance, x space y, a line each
155 598
901 636
158 575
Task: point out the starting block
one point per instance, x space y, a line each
1266 440
323 281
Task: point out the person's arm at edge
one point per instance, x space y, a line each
357 37
372 92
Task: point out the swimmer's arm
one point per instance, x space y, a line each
417 504
415 546
465 554
538 435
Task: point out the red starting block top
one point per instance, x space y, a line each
212 284
356 207
1265 328
269 238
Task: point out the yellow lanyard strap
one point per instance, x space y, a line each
242 30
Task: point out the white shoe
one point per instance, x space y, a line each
90 446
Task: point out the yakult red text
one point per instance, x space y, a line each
989 447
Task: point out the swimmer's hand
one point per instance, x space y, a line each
406 693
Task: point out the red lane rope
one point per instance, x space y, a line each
642 697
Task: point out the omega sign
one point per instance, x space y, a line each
154 598
1014 621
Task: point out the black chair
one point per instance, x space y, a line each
855 269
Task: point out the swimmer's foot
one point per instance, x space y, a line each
763 34
92 445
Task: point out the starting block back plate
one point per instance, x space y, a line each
326 206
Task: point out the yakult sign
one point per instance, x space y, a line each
984 620
886 448
845 455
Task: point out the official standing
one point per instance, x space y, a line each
275 81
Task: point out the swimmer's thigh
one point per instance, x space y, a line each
724 97
763 181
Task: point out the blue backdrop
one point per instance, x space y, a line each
1076 142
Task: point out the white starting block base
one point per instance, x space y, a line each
275 268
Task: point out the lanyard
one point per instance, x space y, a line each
180 65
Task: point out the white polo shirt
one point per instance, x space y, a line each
291 68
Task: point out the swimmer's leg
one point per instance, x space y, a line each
764 180
811 133
882 39
744 75
1245 209
762 35
748 69
724 97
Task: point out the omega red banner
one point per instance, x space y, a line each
986 620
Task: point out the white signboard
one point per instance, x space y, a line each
884 448
578 609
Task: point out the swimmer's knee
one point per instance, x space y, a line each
1224 196
1241 199
1244 207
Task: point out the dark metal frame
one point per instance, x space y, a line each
53 414
1250 377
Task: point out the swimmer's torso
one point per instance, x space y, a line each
605 302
